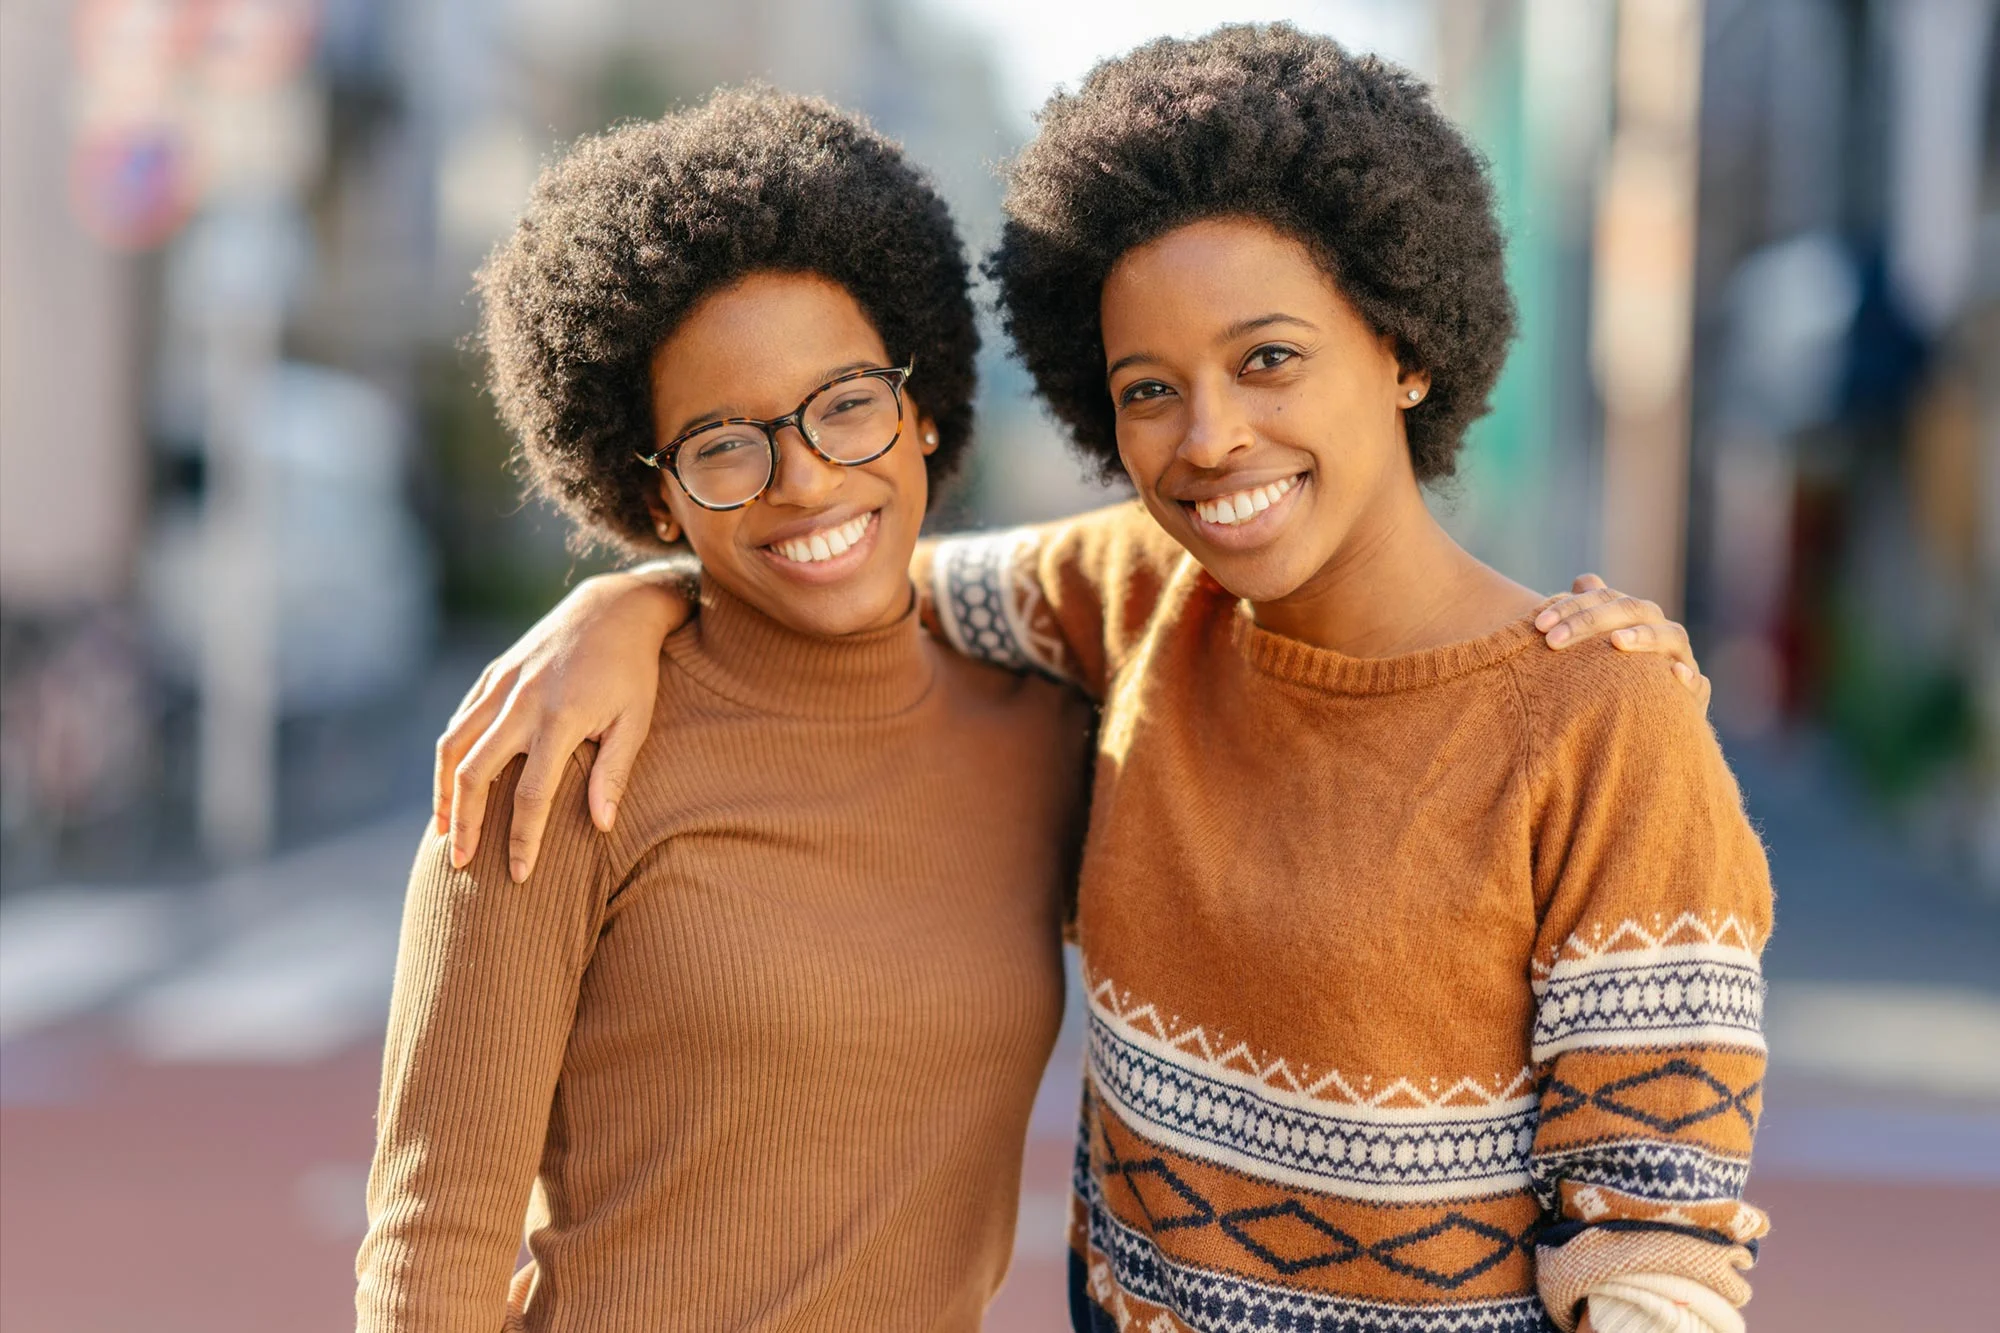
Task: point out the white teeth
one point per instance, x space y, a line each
1229 510
818 546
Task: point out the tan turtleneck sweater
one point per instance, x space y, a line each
762 1057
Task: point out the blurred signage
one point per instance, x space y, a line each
177 100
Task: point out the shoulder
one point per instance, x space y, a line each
1119 535
1594 702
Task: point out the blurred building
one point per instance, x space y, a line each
254 503
249 470
1844 551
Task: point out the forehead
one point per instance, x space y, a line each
759 343
1209 274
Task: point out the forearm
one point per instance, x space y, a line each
678 574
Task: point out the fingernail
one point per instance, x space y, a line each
1681 670
1623 638
610 813
519 870
1546 619
1558 636
458 857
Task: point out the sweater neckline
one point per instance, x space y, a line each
1328 669
743 654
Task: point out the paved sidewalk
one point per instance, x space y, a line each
187 1090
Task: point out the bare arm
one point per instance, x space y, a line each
589 670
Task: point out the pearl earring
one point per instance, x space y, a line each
930 437
1415 394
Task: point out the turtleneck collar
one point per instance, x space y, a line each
743 654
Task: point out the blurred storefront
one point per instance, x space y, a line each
254 494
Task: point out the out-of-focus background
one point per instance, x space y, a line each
258 532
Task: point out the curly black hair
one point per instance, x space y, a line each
630 230
1345 153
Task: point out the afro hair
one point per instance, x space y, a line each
1347 154
632 228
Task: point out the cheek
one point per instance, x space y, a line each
907 473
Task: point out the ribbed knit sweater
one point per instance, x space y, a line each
762 1057
1423 991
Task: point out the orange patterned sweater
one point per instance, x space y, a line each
1424 991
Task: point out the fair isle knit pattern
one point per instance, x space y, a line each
1422 991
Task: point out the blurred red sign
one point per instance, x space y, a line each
149 73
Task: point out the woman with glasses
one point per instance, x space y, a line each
763 1057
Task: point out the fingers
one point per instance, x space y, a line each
533 795
1634 625
469 782
1572 616
467 725
618 750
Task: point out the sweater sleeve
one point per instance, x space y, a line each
487 976
1654 903
1070 599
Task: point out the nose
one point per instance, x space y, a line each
803 479
1217 428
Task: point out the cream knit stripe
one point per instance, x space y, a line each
1661 1303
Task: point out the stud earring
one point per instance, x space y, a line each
930 437
1415 394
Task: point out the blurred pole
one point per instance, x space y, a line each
261 126
1643 307
238 664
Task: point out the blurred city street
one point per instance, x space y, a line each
187 1109
260 527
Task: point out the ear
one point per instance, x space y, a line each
665 526
1412 387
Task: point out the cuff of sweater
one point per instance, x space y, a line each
1569 1273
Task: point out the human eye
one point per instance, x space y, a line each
722 444
1269 357
1142 391
850 400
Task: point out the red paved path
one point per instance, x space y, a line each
192 1199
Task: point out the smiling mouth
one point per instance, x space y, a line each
1227 511
827 544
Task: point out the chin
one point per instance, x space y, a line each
1254 580
842 611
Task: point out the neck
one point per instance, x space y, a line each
1399 584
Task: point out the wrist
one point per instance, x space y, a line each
638 596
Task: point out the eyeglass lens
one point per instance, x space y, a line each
851 421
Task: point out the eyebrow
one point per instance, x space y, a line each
715 414
1234 331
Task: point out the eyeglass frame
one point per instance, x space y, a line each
667 457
